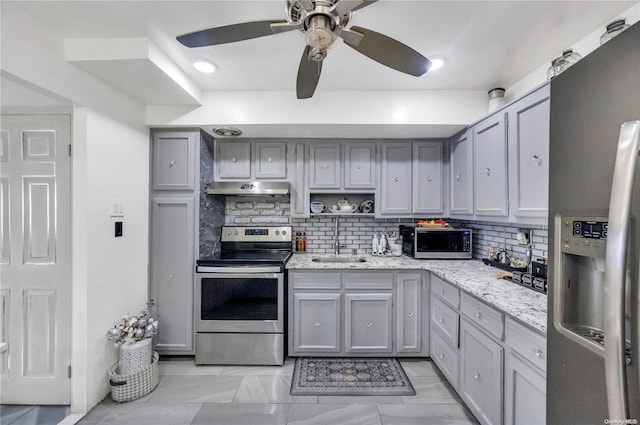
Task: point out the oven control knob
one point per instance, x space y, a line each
277 232
284 232
236 233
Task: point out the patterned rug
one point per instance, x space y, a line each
361 376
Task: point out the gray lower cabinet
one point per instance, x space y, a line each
481 362
525 369
317 319
367 322
352 313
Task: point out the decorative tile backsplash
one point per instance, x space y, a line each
356 232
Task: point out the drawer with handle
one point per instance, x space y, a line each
446 320
527 343
445 290
482 315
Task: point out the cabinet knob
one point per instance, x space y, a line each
537 159
270 160
538 352
488 171
324 166
441 356
397 179
476 375
442 291
317 324
369 324
440 319
429 178
172 275
410 314
458 177
479 315
234 159
172 163
359 166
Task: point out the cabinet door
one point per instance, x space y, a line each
359 165
298 197
490 147
395 185
270 160
316 322
428 169
408 312
461 181
233 159
324 166
174 161
446 358
525 393
481 374
367 323
172 275
528 130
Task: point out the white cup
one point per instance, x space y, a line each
318 207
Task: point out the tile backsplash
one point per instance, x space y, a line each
356 232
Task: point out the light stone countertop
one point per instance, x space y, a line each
472 276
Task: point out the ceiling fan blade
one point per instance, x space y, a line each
345 6
229 33
308 75
389 52
354 38
284 27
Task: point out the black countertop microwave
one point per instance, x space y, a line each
436 243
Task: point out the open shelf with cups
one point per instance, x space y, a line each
351 204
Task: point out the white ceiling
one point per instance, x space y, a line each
486 43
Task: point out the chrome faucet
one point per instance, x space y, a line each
336 234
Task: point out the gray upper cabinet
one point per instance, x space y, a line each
270 160
428 181
174 160
394 195
461 176
299 190
324 166
250 160
490 176
411 178
528 131
359 165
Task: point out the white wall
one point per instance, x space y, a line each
110 161
584 46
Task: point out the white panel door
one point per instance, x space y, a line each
36 263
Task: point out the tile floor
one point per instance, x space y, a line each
259 395
11 414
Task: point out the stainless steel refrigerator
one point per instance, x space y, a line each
593 373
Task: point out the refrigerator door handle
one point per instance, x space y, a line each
615 269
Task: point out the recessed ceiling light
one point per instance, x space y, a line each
436 63
204 65
227 131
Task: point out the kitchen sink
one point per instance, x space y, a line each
339 260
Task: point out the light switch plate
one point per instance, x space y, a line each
116 208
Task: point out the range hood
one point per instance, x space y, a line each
248 188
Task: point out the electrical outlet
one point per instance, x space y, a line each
118 229
116 208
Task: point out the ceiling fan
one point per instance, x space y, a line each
322 22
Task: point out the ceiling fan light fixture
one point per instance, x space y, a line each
205 66
436 63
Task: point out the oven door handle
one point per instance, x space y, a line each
248 270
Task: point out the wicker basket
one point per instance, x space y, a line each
135 385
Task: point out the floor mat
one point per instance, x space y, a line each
349 376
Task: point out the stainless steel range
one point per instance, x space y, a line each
240 298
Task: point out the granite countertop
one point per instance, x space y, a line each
472 276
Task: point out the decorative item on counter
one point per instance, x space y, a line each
562 63
613 29
496 99
382 247
304 242
374 244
